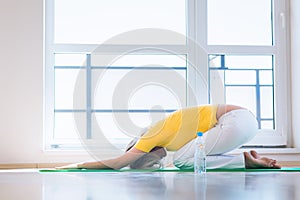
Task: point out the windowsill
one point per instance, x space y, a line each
285 156
271 150
282 155
268 151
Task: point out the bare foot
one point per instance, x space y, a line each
254 161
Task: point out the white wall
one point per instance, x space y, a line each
295 63
21 82
20 79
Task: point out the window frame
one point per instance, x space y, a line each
196 14
51 49
279 136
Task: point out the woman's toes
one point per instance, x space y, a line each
254 154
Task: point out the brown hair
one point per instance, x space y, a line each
151 160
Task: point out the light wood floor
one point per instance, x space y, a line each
30 184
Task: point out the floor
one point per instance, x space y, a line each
30 184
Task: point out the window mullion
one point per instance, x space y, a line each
49 74
106 49
88 97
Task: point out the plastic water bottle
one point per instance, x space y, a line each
200 156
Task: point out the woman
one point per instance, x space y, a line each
225 127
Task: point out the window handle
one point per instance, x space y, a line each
282 18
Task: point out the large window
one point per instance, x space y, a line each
114 67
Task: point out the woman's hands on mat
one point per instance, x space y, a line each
115 163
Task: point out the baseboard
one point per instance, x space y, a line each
31 165
53 165
289 163
18 166
286 157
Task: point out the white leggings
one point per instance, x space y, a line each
233 129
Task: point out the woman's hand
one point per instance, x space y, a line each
70 166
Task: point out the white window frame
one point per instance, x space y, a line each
50 47
196 23
279 136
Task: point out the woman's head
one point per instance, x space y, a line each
150 160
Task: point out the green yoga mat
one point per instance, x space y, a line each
284 169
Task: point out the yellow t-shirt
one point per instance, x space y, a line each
178 128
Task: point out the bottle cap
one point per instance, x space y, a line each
199 134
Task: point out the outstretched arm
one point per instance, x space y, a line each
115 163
